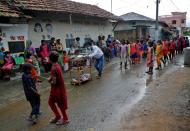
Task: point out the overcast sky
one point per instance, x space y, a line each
144 7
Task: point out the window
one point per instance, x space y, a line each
182 21
173 22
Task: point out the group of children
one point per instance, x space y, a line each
164 51
132 52
45 50
58 96
55 60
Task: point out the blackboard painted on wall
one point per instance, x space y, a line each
16 46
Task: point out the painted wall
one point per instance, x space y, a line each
13 32
61 30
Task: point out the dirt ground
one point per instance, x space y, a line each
165 105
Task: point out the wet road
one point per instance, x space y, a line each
100 105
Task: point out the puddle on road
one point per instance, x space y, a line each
127 108
182 66
119 119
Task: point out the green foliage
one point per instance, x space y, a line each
186 33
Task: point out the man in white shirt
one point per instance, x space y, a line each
99 56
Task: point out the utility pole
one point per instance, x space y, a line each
111 6
157 11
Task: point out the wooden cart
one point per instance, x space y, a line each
79 70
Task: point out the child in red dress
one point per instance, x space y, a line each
58 94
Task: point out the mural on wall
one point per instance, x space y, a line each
49 28
2 34
43 37
38 28
1 44
48 37
19 38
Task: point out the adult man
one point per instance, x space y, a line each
99 57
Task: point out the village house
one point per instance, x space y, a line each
40 20
177 20
135 26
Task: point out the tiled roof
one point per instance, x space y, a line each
134 16
66 6
8 11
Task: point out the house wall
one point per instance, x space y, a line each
128 31
175 16
125 35
10 31
178 17
152 32
129 28
62 30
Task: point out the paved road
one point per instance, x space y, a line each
94 106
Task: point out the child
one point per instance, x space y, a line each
172 50
58 94
65 61
150 59
165 51
44 53
36 64
35 71
123 54
59 47
137 60
8 65
31 92
133 51
159 55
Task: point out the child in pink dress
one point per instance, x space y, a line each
8 62
7 67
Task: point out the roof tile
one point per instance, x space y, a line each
66 6
8 11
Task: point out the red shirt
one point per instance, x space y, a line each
172 45
58 91
65 59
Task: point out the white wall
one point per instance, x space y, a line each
60 30
13 30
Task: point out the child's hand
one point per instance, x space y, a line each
49 79
37 94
